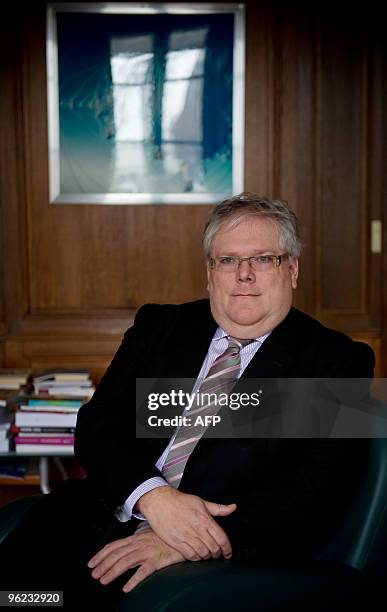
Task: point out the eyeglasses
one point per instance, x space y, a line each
258 263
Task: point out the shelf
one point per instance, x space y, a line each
31 480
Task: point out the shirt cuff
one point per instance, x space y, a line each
125 512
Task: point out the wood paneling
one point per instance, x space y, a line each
259 99
41 353
342 152
294 158
72 276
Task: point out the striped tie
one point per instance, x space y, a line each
220 379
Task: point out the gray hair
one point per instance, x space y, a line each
247 205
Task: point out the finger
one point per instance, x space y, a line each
208 547
106 550
221 538
143 572
122 565
188 552
106 564
219 509
201 547
216 551
199 543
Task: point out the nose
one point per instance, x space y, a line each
245 272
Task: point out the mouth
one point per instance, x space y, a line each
246 294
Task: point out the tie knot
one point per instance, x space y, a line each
237 343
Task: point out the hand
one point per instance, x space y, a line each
145 549
185 522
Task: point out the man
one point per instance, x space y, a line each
271 500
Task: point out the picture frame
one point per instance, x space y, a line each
145 102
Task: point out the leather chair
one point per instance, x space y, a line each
347 573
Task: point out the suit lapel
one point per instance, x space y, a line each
272 361
190 343
278 351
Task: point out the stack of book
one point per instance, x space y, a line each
45 419
13 379
46 424
5 429
12 382
66 382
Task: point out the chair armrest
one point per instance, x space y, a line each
234 585
12 513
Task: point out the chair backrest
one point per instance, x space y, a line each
361 541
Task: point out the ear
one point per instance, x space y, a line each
208 276
293 268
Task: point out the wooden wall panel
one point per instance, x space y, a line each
342 158
349 146
41 353
294 161
13 231
259 99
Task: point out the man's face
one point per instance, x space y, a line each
245 302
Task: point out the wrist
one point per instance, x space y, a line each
146 501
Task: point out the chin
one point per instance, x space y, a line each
247 318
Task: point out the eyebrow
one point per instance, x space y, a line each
256 252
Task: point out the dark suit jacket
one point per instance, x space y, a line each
288 491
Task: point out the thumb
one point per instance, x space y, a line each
219 509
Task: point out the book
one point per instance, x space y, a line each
66 374
51 405
44 419
18 470
44 402
34 398
40 449
5 430
78 392
5 423
56 409
12 469
45 430
35 439
66 381
53 384
4 445
13 378
71 377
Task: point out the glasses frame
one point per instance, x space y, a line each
278 259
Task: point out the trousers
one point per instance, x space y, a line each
50 547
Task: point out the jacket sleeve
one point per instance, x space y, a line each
105 438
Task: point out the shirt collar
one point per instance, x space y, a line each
220 334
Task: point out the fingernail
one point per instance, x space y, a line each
91 563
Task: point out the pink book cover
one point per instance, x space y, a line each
44 440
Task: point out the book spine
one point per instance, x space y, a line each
44 448
58 430
48 408
45 419
45 440
53 402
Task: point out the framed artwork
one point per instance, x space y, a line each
145 102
